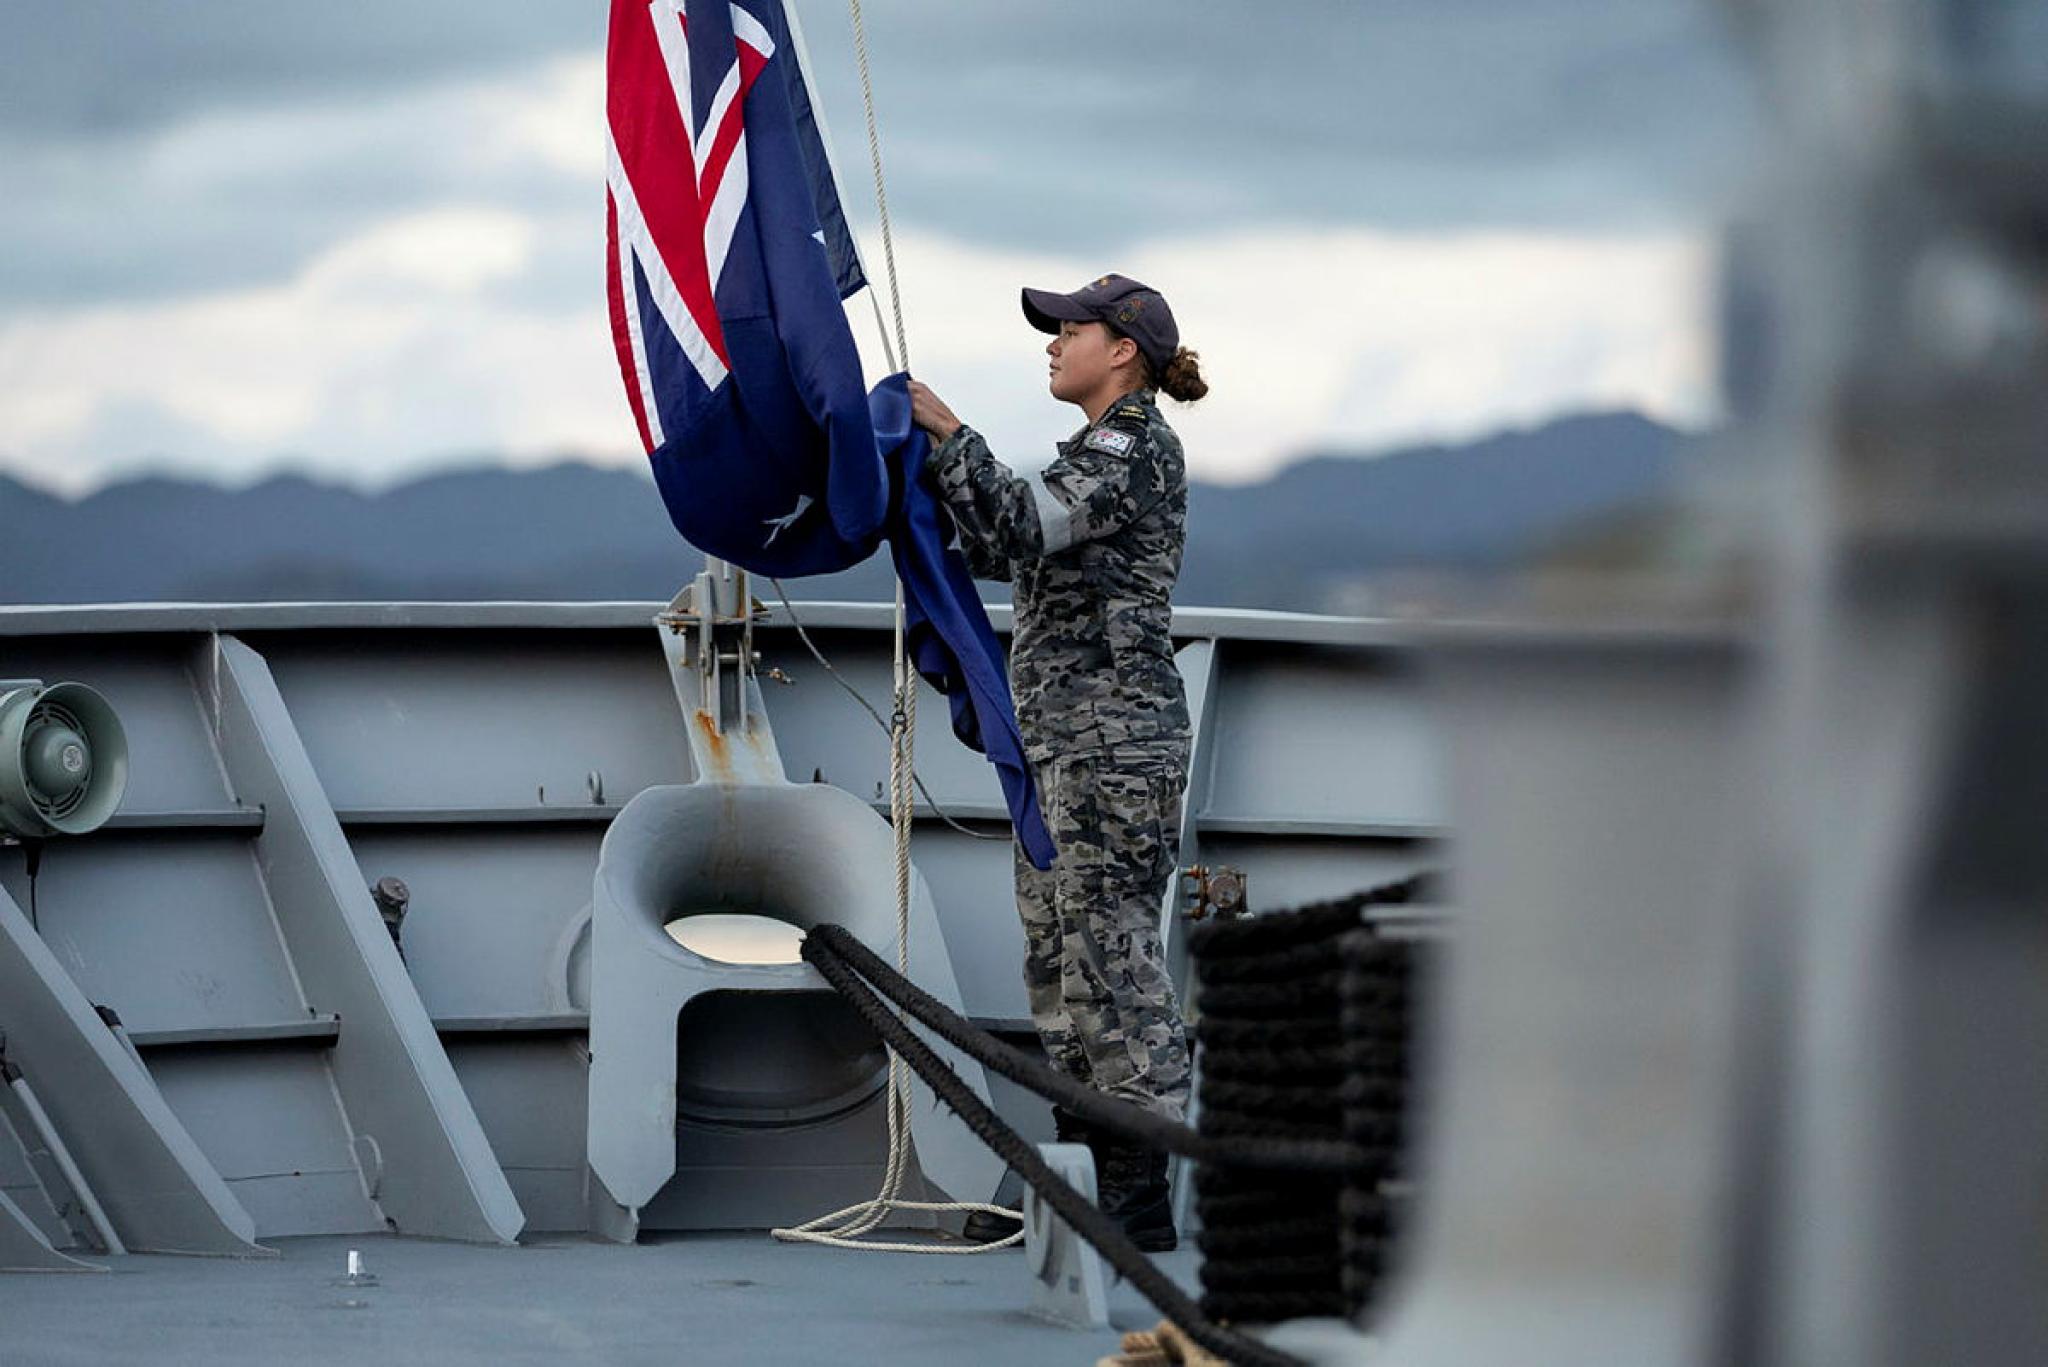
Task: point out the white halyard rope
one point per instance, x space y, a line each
847 1228
803 635
867 96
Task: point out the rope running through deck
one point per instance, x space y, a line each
847 1228
1297 1218
1079 1213
1130 1121
1097 1108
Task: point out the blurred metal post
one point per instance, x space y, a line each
1581 1047
1908 232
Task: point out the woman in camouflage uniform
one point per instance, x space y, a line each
1092 545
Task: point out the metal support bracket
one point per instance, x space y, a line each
1218 891
158 1189
25 1248
708 643
51 1161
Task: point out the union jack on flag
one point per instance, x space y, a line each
727 257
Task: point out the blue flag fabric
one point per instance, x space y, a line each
729 256
951 642
728 260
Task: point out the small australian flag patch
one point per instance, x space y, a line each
1109 439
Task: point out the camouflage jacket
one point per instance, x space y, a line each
1092 544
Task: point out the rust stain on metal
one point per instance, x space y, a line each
714 746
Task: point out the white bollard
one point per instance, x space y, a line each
1068 1286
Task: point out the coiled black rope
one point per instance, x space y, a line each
1317 924
1305 1019
1259 1232
1289 965
1218 1206
1278 1000
1088 1222
1376 972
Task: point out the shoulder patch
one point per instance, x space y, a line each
1109 439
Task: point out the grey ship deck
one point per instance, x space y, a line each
685 1299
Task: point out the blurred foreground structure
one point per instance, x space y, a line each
1742 1059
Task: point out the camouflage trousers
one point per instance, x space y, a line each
1094 970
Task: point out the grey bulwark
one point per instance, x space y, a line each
481 751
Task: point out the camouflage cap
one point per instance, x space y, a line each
1137 311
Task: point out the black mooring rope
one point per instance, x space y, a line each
1304 1027
1091 1224
1097 1108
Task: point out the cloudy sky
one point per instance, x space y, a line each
365 240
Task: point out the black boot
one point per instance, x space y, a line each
1068 1128
984 1228
1131 1190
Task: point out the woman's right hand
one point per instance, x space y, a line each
929 411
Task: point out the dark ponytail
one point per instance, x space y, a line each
1182 380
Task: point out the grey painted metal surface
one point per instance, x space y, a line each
115 619
26 1248
735 1300
1316 736
479 721
21 1184
1069 1282
800 853
422 1155
157 1187
1198 669
56 1170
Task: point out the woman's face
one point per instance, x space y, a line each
1083 357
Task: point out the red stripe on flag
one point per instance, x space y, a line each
654 150
734 124
752 59
616 285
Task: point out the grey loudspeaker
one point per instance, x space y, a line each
63 760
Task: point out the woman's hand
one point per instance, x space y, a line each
929 411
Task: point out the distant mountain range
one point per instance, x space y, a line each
1308 538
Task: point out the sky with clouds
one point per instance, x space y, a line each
365 241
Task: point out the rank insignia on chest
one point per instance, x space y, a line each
1109 439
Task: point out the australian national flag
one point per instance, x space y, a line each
728 256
